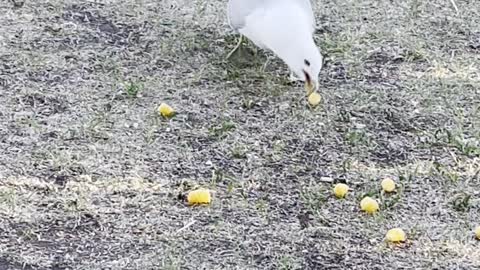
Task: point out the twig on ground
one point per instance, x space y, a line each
454 6
186 226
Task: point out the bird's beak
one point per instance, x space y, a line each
310 86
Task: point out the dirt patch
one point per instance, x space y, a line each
91 177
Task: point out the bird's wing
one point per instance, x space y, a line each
278 26
307 5
238 10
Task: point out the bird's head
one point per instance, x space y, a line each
308 63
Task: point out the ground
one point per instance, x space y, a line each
93 178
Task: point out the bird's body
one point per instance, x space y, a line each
285 27
239 10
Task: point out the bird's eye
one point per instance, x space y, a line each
306 62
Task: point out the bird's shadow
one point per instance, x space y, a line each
251 62
247 56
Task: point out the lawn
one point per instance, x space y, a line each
91 177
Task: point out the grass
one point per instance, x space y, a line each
91 177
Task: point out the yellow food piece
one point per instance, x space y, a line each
314 98
199 196
340 190
165 110
388 185
369 205
396 235
477 232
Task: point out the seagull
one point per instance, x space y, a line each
284 27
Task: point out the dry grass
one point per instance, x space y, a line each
92 178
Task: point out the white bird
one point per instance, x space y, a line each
286 28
